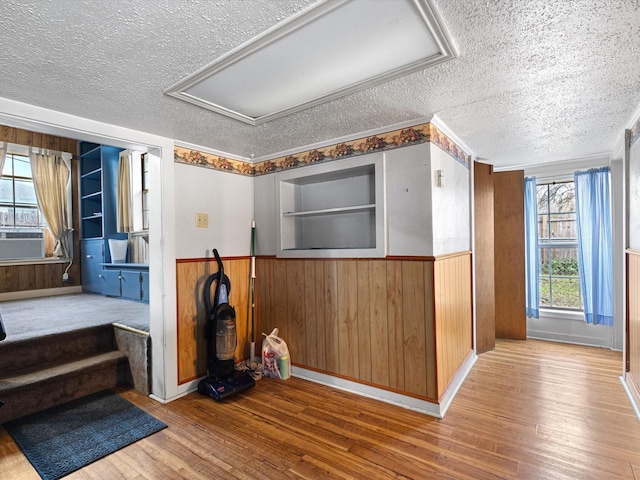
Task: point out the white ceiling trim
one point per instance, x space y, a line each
435 47
440 125
562 167
43 120
621 138
212 151
635 118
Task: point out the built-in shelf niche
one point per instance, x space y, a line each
333 210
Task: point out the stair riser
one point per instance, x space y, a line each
46 394
55 348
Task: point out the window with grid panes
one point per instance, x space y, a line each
558 245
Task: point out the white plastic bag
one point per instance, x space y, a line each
275 356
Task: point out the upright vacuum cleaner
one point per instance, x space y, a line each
222 380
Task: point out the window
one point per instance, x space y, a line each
25 233
22 225
145 191
18 205
23 229
558 245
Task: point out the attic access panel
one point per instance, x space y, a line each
327 51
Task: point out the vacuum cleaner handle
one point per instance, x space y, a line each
207 293
220 266
221 278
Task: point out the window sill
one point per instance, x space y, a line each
34 261
562 314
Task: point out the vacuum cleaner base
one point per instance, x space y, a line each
221 388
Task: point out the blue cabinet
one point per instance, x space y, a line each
144 283
130 284
98 224
110 283
126 280
98 177
92 252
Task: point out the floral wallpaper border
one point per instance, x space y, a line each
426 132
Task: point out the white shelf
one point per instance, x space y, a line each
328 211
332 210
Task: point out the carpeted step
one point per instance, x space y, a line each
34 389
55 348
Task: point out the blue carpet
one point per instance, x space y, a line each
63 439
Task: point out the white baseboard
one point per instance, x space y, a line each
437 410
162 400
632 398
405 401
568 338
45 292
368 391
456 383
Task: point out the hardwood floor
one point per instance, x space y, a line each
528 410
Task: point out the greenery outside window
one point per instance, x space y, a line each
558 246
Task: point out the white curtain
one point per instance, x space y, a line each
3 154
50 179
140 248
124 217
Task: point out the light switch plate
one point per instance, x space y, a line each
202 220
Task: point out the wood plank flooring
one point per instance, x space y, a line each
528 410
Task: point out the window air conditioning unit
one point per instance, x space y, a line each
17 244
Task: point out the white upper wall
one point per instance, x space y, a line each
422 219
226 199
634 196
264 191
451 216
408 194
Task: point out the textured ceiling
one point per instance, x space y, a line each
535 81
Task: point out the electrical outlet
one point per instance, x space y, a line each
202 220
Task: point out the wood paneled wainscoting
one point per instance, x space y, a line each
400 324
37 276
632 373
191 274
